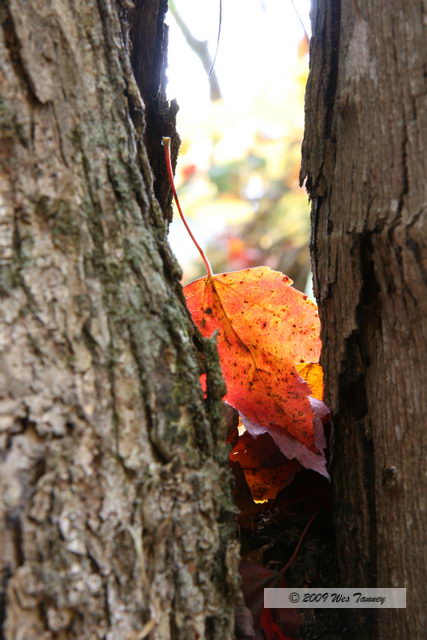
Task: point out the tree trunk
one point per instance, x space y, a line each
116 516
365 165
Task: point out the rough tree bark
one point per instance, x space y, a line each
365 166
115 514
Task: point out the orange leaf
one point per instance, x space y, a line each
266 469
264 327
303 47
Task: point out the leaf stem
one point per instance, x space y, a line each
301 538
166 145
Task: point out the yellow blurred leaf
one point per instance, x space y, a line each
312 373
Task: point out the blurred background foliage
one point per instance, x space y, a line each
241 129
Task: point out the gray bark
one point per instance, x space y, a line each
115 509
365 166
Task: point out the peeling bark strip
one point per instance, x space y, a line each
365 166
112 479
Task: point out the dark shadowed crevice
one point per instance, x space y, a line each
354 447
149 38
333 61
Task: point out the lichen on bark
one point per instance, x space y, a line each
116 517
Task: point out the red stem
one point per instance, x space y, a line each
166 145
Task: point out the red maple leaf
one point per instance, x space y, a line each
264 328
